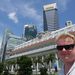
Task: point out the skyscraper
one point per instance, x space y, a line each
50 17
30 32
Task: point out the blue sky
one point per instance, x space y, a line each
14 14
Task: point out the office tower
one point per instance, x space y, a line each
30 32
50 17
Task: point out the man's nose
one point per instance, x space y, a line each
63 49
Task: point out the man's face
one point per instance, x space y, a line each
68 54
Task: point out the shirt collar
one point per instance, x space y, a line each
61 72
71 69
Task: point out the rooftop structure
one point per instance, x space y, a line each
37 44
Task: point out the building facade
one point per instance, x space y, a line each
50 17
30 32
68 23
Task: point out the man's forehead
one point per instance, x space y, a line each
65 41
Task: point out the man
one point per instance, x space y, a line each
66 53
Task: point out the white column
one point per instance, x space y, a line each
37 66
12 68
57 62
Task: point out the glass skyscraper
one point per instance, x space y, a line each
50 17
30 32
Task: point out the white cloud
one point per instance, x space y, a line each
63 4
22 8
26 9
13 17
6 6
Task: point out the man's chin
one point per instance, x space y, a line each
69 60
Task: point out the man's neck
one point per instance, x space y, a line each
67 67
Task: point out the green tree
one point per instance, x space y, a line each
49 60
24 64
10 63
6 72
43 71
1 67
37 60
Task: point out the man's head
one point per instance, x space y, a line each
66 47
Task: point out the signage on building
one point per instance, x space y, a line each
50 6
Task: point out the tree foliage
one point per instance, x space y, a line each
43 71
50 57
24 64
1 67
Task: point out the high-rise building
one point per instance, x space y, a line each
30 32
50 17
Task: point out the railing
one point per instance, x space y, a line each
36 51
